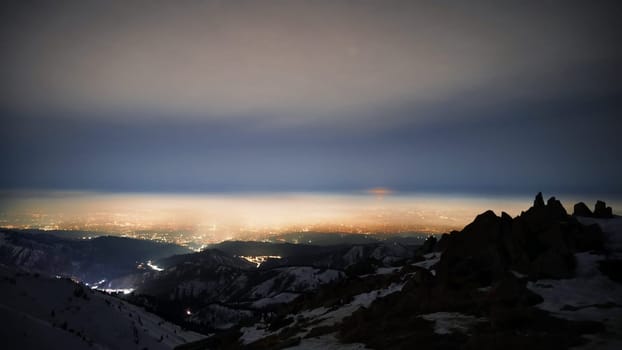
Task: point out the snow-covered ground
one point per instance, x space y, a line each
322 316
430 260
37 312
326 342
590 295
280 298
450 322
387 270
295 279
330 317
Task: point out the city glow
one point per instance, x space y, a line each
210 218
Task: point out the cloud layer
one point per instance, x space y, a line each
311 95
287 61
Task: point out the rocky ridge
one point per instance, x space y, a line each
487 286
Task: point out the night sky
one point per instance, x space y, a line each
228 96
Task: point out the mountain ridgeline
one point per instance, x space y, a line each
88 260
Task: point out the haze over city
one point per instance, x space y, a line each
204 219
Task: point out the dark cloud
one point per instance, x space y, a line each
561 145
287 61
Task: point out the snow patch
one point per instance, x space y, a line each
518 274
281 298
430 260
590 287
326 342
331 317
387 270
295 279
254 333
451 322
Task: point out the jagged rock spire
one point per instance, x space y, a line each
601 210
539 201
580 209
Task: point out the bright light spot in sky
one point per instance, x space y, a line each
380 191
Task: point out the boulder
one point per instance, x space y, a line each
580 209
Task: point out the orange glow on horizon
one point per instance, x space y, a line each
380 191
209 218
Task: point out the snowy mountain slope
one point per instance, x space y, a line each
294 279
223 297
88 260
312 321
41 313
306 321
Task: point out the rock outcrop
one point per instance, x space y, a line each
469 291
580 209
540 243
483 272
601 210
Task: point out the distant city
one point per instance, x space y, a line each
198 236
196 221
